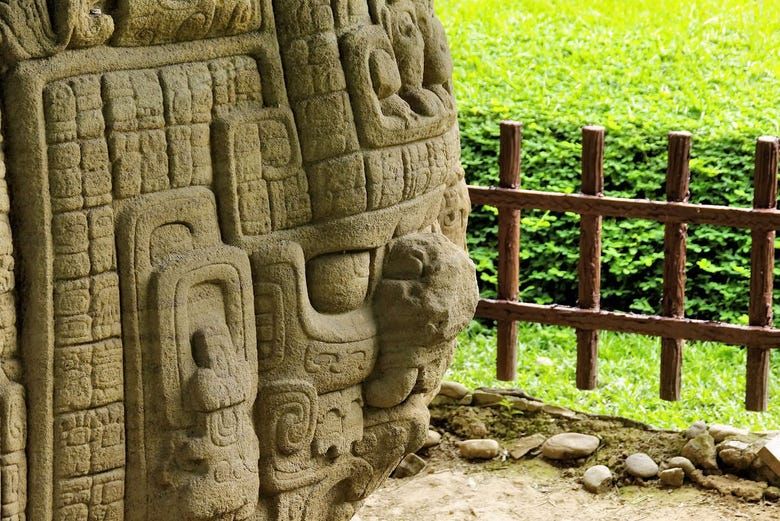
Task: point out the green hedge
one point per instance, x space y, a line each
641 69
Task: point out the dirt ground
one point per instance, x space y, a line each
537 491
533 489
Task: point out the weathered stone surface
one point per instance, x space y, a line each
528 405
570 445
484 399
240 225
479 449
411 465
640 465
453 390
432 439
701 452
743 458
523 446
772 493
597 479
732 445
721 432
769 454
679 462
560 412
696 429
467 424
672 478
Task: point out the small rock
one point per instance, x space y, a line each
721 432
466 400
640 465
672 478
477 430
503 391
701 451
453 390
432 439
570 445
523 446
769 454
485 399
759 469
679 462
466 423
736 459
736 454
410 466
597 479
695 430
561 412
732 445
772 493
479 449
440 399
528 405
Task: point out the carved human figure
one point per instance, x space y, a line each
211 466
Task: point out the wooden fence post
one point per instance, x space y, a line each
678 178
509 247
590 256
762 273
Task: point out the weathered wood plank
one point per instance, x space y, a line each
589 270
659 211
678 178
509 247
762 277
651 325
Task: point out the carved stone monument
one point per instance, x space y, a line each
231 254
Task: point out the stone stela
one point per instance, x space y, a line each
232 261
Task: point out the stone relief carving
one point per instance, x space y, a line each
151 22
26 30
240 227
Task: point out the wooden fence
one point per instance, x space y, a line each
676 213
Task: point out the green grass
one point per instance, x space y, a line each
641 68
707 65
713 377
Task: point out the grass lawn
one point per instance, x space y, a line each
640 68
706 65
713 377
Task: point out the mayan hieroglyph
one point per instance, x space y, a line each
232 254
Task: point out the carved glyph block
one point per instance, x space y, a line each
240 225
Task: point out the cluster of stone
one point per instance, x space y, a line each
720 457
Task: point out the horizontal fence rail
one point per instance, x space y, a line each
676 213
658 211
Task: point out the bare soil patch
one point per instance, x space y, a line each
533 488
537 491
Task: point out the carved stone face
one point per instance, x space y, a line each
240 229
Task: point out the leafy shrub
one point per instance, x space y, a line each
641 69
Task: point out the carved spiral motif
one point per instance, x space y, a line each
291 412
